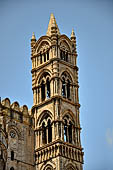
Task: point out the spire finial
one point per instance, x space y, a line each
33 36
72 33
52 23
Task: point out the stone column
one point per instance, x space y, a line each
47 134
53 131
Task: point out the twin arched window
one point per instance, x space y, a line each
66 86
68 129
46 129
45 88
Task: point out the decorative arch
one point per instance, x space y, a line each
41 73
50 166
43 81
44 123
41 40
15 130
69 113
68 72
44 115
66 40
70 166
67 85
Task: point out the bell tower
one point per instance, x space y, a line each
56 101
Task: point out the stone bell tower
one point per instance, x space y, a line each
56 101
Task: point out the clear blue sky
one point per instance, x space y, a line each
92 21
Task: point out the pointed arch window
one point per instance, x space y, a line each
48 88
49 131
43 91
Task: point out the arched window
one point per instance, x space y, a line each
49 131
44 138
69 125
70 132
43 91
66 85
63 88
68 89
48 88
65 131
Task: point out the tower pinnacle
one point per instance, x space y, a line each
72 34
52 24
33 36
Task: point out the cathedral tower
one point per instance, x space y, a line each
56 102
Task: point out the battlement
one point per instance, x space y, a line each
16 112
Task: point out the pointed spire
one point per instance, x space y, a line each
52 23
33 37
72 34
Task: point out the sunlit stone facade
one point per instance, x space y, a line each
48 136
56 102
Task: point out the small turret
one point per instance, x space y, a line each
73 39
33 41
33 37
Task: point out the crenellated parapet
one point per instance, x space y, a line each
16 112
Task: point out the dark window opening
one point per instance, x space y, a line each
43 91
65 132
44 57
49 132
40 58
47 55
12 155
63 88
70 132
11 168
61 54
1 155
66 57
21 117
44 139
11 115
48 88
68 89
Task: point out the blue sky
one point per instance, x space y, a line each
92 21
